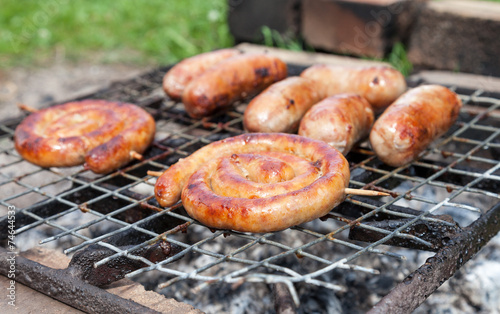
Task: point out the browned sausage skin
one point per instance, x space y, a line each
257 182
99 133
280 107
380 85
176 79
412 122
340 120
231 80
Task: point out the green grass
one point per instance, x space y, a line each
398 59
272 38
130 31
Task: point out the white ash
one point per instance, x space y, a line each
475 288
481 276
462 215
362 289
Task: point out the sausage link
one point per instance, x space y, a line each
412 122
380 85
99 133
340 120
233 79
257 182
280 107
176 79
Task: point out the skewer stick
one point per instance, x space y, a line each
364 192
27 108
154 173
135 155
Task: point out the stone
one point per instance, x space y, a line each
247 17
459 36
124 288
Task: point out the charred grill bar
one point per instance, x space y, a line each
116 218
420 284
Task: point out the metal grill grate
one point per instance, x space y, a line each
458 176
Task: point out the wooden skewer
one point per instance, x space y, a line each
154 173
26 108
135 155
364 192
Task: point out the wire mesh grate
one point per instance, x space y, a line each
72 208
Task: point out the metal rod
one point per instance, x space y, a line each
283 300
420 284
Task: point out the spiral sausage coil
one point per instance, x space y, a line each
102 134
257 182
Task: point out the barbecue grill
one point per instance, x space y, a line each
446 202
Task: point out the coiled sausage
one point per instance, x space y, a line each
257 182
99 133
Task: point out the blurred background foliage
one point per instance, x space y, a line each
141 32
153 32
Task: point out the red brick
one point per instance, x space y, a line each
357 27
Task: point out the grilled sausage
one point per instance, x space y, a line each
412 122
176 79
280 107
340 120
257 182
233 79
99 133
380 85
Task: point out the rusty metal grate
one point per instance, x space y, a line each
457 180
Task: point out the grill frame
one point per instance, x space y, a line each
147 93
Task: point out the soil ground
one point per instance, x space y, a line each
57 82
